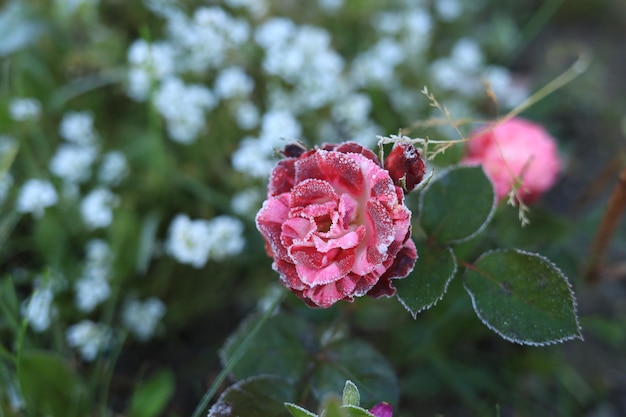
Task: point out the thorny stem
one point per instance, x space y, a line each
616 206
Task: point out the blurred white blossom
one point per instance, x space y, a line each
113 168
148 62
247 115
183 107
22 109
225 237
232 82
142 318
89 338
73 162
188 241
35 195
90 290
77 127
97 208
38 308
246 202
448 10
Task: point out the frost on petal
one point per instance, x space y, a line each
335 223
383 409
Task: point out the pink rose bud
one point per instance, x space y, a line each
405 163
336 225
382 410
516 148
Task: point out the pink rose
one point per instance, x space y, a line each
336 225
516 148
382 410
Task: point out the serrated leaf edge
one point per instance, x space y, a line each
220 401
445 171
445 289
523 342
288 406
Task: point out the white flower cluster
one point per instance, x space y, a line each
89 338
38 310
142 318
35 195
194 242
24 109
92 288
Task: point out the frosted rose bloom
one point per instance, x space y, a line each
516 148
336 225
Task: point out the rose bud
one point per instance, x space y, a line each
336 226
383 409
405 165
516 149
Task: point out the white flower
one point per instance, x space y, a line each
448 10
183 107
22 109
90 338
330 6
255 156
376 66
97 208
247 115
73 162
91 290
113 169
98 253
207 38
149 62
507 90
35 195
189 241
354 109
246 202
225 237
466 55
78 127
38 309
142 318
232 82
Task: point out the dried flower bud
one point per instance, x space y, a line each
405 165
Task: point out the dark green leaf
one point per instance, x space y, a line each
260 396
280 348
357 361
523 297
151 397
49 385
457 205
426 285
297 411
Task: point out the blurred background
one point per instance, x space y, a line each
136 139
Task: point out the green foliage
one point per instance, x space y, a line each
49 385
427 284
350 394
456 205
259 396
151 396
286 347
523 297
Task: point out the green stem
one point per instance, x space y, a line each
237 355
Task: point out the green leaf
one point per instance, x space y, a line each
259 396
357 361
457 205
353 411
426 285
280 348
49 385
523 297
297 411
351 394
151 397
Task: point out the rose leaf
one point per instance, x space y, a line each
259 396
523 297
358 361
457 205
280 348
433 271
